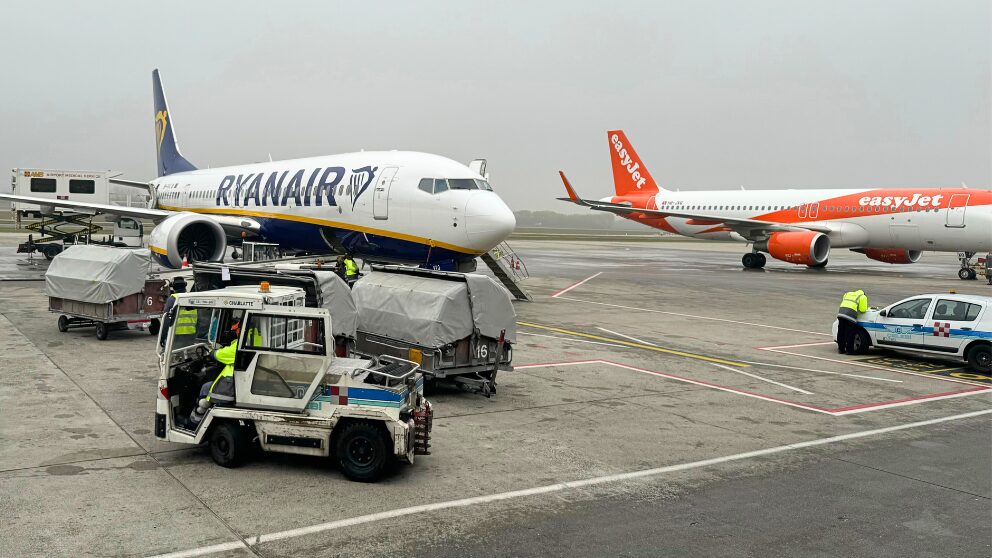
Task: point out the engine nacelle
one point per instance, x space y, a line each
187 234
800 247
892 255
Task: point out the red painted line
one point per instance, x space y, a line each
570 287
839 411
907 399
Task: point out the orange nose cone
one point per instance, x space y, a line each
263 287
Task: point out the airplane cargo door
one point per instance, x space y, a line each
955 210
380 201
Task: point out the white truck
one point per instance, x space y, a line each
55 228
942 325
292 394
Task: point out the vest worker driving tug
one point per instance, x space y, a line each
220 389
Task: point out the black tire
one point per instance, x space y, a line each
154 326
229 444
762 260
818 265
50 251
964 273
101 331
362 451
63 324
980 358
972 274
862 342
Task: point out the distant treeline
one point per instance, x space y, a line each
592 221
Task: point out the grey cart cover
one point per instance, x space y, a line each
97 274
338 300
430 311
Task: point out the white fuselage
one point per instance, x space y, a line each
939 219
370 203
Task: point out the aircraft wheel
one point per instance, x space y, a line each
751 260
966 274
762 260
818 265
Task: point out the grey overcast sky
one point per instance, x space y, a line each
712 94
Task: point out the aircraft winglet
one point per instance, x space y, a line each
572 196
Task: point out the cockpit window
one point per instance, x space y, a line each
427 185
462 184
440 185
484 185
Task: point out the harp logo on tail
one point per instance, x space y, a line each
161 123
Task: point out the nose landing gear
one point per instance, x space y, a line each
967 271
754 260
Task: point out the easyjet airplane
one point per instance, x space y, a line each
892 225
393 206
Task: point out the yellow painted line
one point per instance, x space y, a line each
335 224
637 345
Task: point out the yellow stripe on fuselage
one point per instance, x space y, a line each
335 224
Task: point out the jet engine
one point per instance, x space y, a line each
892 255
800 247
194 236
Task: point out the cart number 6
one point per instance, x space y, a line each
148 302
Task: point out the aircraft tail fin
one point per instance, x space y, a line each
630 176
170 160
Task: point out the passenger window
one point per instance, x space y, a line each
284 334
440 185
427 185
82 186
911 309
973 311
44 185
284 375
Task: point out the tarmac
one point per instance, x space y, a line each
665 402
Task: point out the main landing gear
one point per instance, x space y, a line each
754 260
967 272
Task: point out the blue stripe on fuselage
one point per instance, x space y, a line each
310 237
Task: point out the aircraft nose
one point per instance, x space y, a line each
488 221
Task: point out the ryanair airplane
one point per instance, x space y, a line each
391 206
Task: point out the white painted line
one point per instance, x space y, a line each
551 488
821 371
547 364
572 339
557 295
566 289
634 339
799 345
762 378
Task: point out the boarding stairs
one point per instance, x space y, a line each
509 269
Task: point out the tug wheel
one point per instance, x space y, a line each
363 451
229 444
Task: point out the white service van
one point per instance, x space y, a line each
72 185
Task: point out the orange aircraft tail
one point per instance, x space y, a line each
630 176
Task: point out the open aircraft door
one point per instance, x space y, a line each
955 210
380 201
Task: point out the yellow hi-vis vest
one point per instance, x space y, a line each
225 356
185 323
855 300
350 268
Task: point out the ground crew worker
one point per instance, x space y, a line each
853 304
350 269
221 390
186 320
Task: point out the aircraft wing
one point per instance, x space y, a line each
752 229
132 184
232 224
